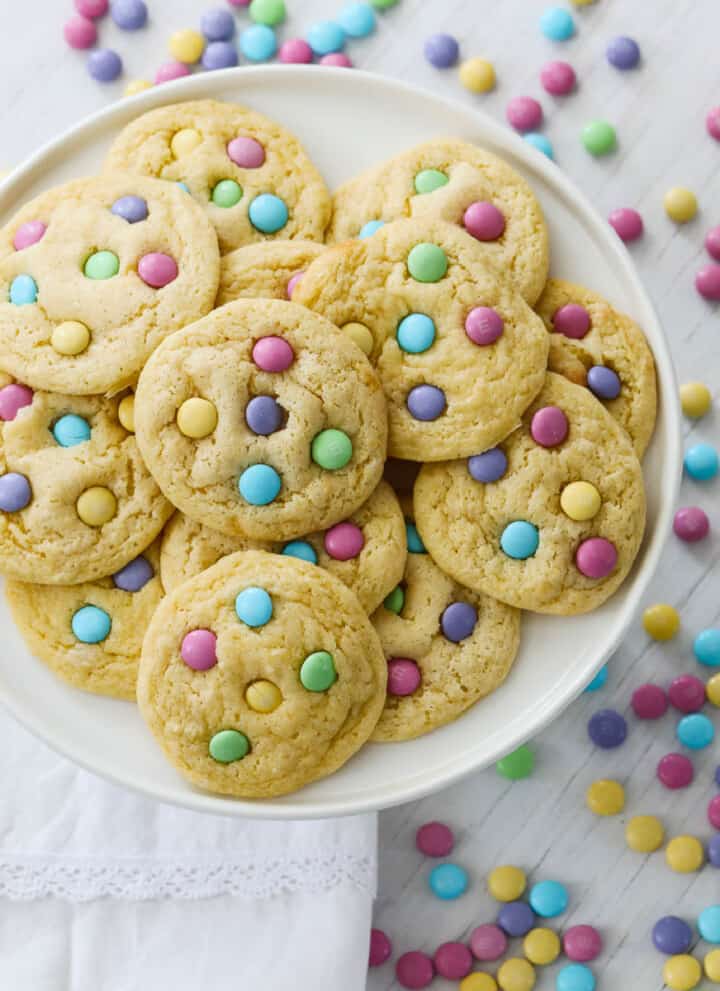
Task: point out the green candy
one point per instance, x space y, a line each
427 262
429 180
229 745
518 764
395 601
318 672
331 449
270 12
227 193
102 265
383 4
599 137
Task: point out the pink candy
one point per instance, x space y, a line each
380 948
91 8
596 557
28 233
649 702
483 325
157 269
171 70
691 522
337 58
627 223
453 961
582 943
675 771
687 693
198 649
484 221
572 320
80 32
414 970
549 426
344 541
713 812
558 78
246 152
712 123
403 676
295 51
435 839
273 354
524 113
292 283
488 942
707 281
712 243
14 397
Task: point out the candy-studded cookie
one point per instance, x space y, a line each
76 501
446 647
460 183
549 520
94 274
260 675
262 420
459 352
91 634
594 345
269 270
252 177
366 551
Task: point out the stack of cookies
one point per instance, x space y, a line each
286 467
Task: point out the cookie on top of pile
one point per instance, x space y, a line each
286 467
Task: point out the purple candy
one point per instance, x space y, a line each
713 850
607 729
672 935
129 14
15 492
264 415
217 24
130 208
717 775
458 621
134 575
441 50
426 402
516 918
603 382
488 466
219 55
105 65
623 53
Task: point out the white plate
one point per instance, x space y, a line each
348 121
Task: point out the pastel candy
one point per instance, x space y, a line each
15 492
246 152
134 575
133 209
596 557
490 466
28 234
90 624
157 269
198 649
13 398
484 221
344 541
403 676
458 621
272 354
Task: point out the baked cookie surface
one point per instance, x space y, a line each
265 271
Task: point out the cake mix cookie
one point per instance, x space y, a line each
262 420
446 647
594 345
459 352
269 270
94 274
76 501
252 177
366 551
260 675
91 634
460 183
549 520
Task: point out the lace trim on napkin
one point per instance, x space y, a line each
80 879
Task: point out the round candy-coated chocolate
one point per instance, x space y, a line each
627 223
337 58
441 50
413 539
558 78
701 462
130 208
130 15
541 143
582 943
272 354
368 229
603 382
23 290
186 45
435 839
695 731
596 557
13 398
599 680
198 649
226 193
96 505
681 972
394 601
134 575
344 541
70 430
458 621
675 771
488 942
575 977
268 213
91 624
217 24
520 540
483 325
415 333
228 746
557 24
605 797
644 834
15 492
91 8
453 961
414 970
428 180
101 265
264 415
317 672
713 812
507 883
712 689
301 549
448 881
649 702
548 898
357 20
157 269
80 32
661 621
104 65
524 113
259 484
477 75
572 320
484 221
709 924
691 524
712 243
623 52
254 606
246 152
28 234
516 918
607 728
706 647
325 37
427 262
489 466
403 676
219 55
599 137
712 123
292 283
541 946
580 501
713 850
258 43
171 70
426 402
549 426
687 693
517 764
380 948
331 449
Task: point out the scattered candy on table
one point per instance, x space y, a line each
506 883
435 839
599 138
441 50
130 15
558 78
680 204
557 24
548 898
519 764
186 46
105 65
701 462
675 771
627 223
524 113
672 935
477 75
644 834
691 524
706 647
80 32
380 948
712 243
695 399
516 974
623 52
682 972
649 702
605 797
599 680
684 854
540 142
707 281
448 881
541 946
661 621
607 729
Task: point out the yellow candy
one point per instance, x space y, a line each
684 854
583 3
137 86
712 689
661 621
197 417
695 399
70 337
263 696
541 946
96 505
361 336
605 797
506 883
516 974
183 142
712 966
126 413
644 834
682 972
680 204
477 75
580 500
186 45
479 981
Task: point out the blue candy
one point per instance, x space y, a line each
707 647
416 333
70 430
23 290
520 540
90 624
448 881
254 606
548 899
258 43
259 485
709 924
575 977
540 142
326 37
414 542
701 462
557 24
695 731
357 20
599 680
302 550
368 229
268 213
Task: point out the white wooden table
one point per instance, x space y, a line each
659 110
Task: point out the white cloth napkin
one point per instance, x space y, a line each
175 895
